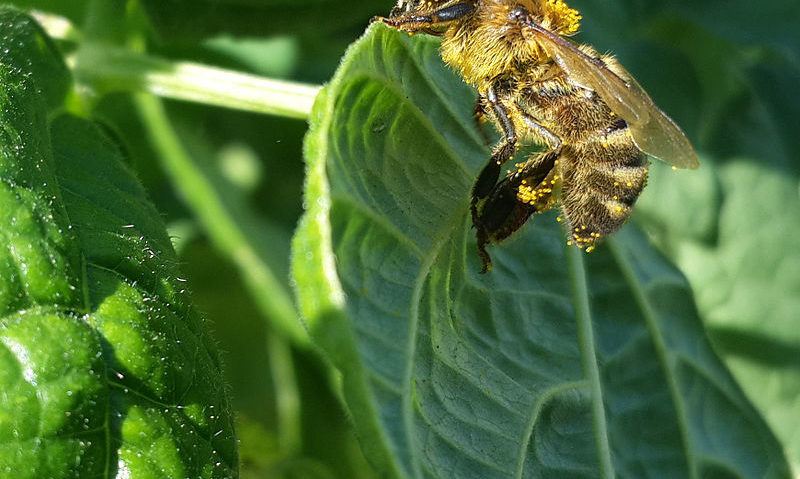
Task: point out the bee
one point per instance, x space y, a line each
595 125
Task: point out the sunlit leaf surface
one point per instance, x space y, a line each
106 370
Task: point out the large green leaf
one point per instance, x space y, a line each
555 364
105 368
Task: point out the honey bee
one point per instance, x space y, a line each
596 125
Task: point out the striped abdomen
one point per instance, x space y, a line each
599 172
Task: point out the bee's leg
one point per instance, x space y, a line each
503 151
424 22
528 190
434 32
507 208
511 202
550 137
487 179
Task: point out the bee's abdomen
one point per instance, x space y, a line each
603 174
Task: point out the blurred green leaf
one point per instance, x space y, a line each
185 20
106 369
272 57
232 226
553 365
731 226
74 10
26 48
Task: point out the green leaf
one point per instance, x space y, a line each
27 48
74 10
555 364
106 369
730 225
191 19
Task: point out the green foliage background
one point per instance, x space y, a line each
228 184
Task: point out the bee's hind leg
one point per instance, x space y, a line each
513 200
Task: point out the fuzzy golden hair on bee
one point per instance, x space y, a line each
596 126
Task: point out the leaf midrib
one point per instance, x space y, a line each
586 341
649 317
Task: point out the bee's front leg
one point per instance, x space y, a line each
427 21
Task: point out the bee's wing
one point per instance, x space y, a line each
652 130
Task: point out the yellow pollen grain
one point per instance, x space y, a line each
590 249
569 16
569 243
629 184
674 168
616 183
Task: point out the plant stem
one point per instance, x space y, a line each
287 394
108 69
225 231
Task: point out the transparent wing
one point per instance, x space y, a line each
653 131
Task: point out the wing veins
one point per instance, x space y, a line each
652 131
